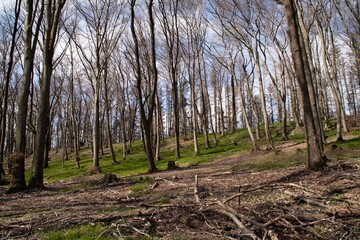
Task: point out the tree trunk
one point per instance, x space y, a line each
193 111
73 119
157 128
146 119
108 114
243 109
315 156
18 171
8 74
53 9
205 124
309 72
270 143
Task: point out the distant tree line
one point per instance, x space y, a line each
98 72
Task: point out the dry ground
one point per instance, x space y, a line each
225 203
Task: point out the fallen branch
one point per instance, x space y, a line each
328 209
271 221
170 182
242 192
135 229
230 213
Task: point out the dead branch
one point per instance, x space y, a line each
271 221
242 192
230 213
328 209
135 229
196 191
170 182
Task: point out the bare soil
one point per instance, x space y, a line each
224 203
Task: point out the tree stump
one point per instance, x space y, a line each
110 178
171 165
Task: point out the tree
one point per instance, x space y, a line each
316 159
33 16
53 14
95 44
146 114
170 28
8 73
195 30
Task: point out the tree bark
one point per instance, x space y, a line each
30 42
316 159
53 10
146 121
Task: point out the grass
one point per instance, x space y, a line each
273 160
228 144
83 232
136 162
142 186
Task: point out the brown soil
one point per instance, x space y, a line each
287 203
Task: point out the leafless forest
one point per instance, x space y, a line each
93 73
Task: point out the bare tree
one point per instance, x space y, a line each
33 21
8 73
103 29
170 29
146 115
316 159
53 14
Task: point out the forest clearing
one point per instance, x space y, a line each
247 195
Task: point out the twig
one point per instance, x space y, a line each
135 229
271 221
242 192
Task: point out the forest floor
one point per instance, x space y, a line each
218 200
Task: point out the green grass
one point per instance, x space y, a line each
228 145
136 162
142 186
84 232
273 161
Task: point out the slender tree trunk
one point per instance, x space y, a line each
270 143
193 111
108 113
233 99
331 81
246 119
157 128
145 120
309 72
8 74
203 105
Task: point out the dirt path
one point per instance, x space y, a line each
167 207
